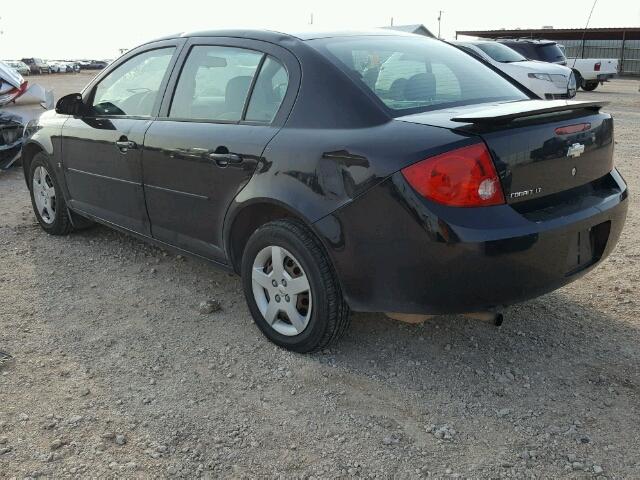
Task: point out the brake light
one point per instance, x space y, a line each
569 129
464 177
597 66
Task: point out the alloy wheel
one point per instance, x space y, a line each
44 194
281 290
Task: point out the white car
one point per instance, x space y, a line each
549 81
54 67
589 72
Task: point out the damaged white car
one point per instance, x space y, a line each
12 84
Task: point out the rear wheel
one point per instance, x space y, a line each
46 198
291 289
590 86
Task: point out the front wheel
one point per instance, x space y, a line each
46 198
291 288
589 86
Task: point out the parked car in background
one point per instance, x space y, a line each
367 171
56 67
20 67
589 72
92 64
593 72
98 64
37 65
69 67
549 81
541 50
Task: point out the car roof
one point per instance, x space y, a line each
279 35
527 40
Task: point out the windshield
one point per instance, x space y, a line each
414 74
500 53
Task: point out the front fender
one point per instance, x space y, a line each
45 135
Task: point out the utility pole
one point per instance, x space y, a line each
440 12
391 22
311 19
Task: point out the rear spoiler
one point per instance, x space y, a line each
505 112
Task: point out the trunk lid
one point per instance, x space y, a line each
538 147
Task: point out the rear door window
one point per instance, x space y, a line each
214 83
268 93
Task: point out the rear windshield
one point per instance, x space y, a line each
550 52
415 74
500 53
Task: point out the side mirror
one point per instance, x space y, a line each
70 105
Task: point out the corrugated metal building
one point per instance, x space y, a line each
620 43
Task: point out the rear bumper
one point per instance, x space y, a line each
395 251
603 77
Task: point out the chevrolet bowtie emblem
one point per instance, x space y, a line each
575 150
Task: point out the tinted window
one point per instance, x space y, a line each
550 52
214 83
416 74
133 87
268 92
546 52
500 53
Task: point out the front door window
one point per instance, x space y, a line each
133 88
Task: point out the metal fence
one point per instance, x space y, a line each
628 59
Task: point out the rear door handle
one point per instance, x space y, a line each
124 145
224 159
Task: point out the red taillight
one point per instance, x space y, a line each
464 177
597 66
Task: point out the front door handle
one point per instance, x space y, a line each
224 159
124 145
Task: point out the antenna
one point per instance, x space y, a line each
584 33
440 12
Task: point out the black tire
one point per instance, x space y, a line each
579 79
329 316
589 86
61 224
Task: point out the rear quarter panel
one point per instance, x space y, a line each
316 171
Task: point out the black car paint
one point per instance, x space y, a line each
335 168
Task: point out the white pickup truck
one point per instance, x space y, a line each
589 72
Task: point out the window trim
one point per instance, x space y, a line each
284 57
89 91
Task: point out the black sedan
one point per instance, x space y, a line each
371 171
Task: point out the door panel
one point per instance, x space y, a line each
202 152
187 191
102 180
102 149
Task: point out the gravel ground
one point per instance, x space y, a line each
115 373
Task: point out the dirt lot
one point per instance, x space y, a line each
116 374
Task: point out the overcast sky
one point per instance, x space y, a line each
76 29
